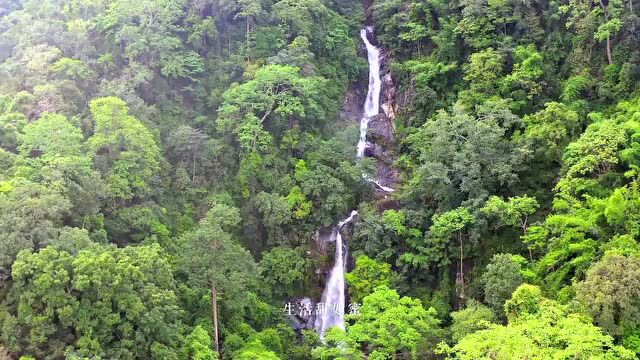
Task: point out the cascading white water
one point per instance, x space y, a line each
372 103
333 297
382 187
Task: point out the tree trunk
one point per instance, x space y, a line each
247 39
193 167
524 227
606 19
214 303
461 268
609 50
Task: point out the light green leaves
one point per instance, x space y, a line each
125 151
106 301
513 212
260 109
538 328
451 222
389 324
367 275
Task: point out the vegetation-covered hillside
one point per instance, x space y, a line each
166 165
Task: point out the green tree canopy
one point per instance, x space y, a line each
501 278
125 151
388 324
611 294
538 328
367 275
106 301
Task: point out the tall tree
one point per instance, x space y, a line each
607 16
213 259
452 225
187 145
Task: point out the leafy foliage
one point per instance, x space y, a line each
389 324
501 279
538 328
368 275
116 302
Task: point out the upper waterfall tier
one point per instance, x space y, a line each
372 103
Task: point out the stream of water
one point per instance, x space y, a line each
333 297
372 103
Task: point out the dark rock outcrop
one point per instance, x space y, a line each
301 313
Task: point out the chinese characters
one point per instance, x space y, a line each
320 309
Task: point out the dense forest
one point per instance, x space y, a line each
170 170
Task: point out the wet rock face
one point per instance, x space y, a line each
323 237
381 131
351 109
384 156
388 204
382 128
302 315
387 176
388 95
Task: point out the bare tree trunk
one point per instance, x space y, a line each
214 303
609 50
247 39
606 19
193 168
524 226
461 268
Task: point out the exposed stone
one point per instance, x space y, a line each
380 131
388 96
388 111
323 236
388 204
301 319
387 175
351 109
374 150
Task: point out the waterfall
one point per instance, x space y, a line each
333 297
372 103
